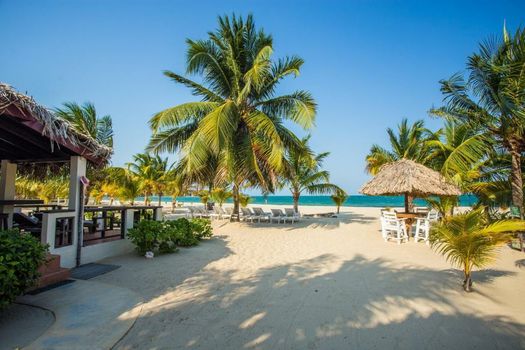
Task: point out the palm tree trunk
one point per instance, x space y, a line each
296 195
338 207
516 179
235 195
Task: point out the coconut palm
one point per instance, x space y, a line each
244 200
204 197
303 173
339 198
85 120
129 188
469 241
239 120
152 172
493 98
220 195
405 144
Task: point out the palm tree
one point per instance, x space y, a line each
85 121
302 172
151 172
405 144
459 152
244 200
220 195
469 241
239 119
493 98
339 198
129 188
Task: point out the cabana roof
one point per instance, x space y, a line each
30 133
408 177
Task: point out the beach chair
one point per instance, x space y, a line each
191 212
262 214
433 216
277 214
201 212
422 230
291 215
393 228
216 214
246 215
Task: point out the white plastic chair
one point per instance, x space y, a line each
291 215
277 214
433 216
261 214
422 230
393 228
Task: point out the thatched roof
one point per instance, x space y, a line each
408 177
59 131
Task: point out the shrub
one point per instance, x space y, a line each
145 235
201 228
20 257
182 232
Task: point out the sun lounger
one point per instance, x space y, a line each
247 215
262 214
277 215
291 215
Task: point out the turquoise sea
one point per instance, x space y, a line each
352 201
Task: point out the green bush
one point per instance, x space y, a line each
164 237
145 235
20 257
201 228
182 232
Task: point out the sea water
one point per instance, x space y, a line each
352 201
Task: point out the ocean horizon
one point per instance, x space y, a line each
352 201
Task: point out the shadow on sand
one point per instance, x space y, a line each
363 304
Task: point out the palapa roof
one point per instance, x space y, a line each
29 132
406 176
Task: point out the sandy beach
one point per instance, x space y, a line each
323 283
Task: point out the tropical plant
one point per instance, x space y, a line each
493 98
339 198
302 173
204 197
244 200
239 121
407 143
20 257
85 121
201 228
129 188
469 240
220 195
152 173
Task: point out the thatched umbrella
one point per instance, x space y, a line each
408 178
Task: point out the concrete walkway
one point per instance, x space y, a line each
89 315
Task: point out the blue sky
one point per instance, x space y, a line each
368 63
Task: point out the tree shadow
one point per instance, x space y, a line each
323 303
520 263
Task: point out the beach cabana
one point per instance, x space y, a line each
33 138
411 179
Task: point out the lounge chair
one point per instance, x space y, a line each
262 214
247 215
277 214
291 215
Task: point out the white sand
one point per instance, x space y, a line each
319 284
